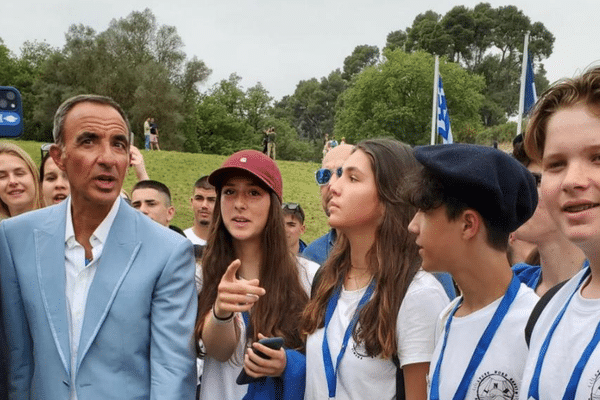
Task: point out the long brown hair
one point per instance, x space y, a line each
278 312
393 256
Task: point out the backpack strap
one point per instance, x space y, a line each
539 307
399 378
315 282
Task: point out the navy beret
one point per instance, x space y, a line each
490 181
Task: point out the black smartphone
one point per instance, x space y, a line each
274 343
11 112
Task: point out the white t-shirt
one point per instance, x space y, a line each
189 233
499 374
307 270
363 377
218 378
570 338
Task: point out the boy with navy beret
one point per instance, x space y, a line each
470 198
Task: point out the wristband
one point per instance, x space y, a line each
221 320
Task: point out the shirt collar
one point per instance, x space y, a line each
101 232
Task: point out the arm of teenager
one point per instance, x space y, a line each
415 331
137 162
415 381
174 307
234 295
19 341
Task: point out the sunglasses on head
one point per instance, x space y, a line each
295 209
323 175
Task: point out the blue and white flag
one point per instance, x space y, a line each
443 118
530 94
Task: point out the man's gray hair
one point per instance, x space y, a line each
61 114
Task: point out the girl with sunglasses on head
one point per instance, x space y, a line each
19 182
251 286
373 311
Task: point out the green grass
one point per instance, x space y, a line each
179 171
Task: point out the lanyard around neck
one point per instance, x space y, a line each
571 388
330 372
482 345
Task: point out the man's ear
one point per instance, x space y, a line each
302 229
471 223
170 214
56 152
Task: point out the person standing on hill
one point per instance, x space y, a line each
153 135
147 133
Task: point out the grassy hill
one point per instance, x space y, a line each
179 171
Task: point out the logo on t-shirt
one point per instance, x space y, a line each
359 351
496 386
595 384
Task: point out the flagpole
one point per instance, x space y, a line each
523 75
436 76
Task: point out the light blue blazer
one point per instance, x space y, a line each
137 333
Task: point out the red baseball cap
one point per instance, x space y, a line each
254 162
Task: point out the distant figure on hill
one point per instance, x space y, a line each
153 135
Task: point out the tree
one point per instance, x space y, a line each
396 40
394 99
487 41
137 62
362 56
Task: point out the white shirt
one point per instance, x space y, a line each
189 233
363 377
499 374
572 335
79 277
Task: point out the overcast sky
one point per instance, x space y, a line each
280 42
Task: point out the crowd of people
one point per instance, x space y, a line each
450 272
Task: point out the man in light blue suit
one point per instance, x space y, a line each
98 300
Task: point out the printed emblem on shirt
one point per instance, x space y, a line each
595 385
359 351
496 386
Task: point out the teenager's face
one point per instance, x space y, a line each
55 185
203 204
244 208
540 227
354 200
293 229
17 187
436 238
154 204
571 173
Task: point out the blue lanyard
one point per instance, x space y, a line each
330 372
571 388
482 345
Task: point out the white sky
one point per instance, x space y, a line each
280 42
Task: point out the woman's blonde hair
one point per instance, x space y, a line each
13 149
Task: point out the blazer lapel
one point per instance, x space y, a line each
118 254
50 264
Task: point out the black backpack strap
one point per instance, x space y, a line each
539 307
315 282
399 378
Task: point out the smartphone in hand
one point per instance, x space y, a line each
11 112
274 343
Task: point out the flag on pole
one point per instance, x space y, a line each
530 94
443 118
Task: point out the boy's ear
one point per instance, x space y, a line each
471 223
